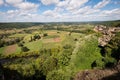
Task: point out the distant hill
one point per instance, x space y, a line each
18 25
115 23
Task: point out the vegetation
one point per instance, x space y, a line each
53 51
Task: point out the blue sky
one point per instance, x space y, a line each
59 10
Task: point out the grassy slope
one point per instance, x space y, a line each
18 35
87 53
1 50
82 58
36 45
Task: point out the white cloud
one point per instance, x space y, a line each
75 4
111 12
50 13
102 4
13 2
27 6
63 3
49 2
72 5
66 10
21 12
82 10
58 9
1 2
86 10
92 11
22 5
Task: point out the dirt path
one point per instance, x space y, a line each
10 49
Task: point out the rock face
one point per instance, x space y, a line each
108 33
100 74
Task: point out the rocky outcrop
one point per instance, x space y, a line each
103 40
108 33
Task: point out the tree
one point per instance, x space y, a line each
45 34
49 65
1 43
58 75
20 44
36 36
24 49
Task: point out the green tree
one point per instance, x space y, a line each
24 49
49 65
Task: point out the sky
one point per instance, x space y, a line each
59 10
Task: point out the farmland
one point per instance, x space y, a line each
43 50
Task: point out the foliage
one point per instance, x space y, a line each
42 60
24 49
111 52
45 34
57 75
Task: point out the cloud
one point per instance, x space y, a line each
48 13
1 2
87 10
22 10
112 12
82 10
64 10
49 2
20 4
71 5
13 2
75 4
102 4
63 3
56 12
27 6
51 13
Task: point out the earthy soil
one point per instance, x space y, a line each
100 74
57 39
52 40
10 49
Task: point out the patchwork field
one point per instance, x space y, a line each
53 38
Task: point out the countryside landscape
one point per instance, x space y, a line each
57 51
59 40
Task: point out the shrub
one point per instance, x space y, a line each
20 44
67 46
24 49
45 34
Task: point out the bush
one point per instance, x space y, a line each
49 65
57 75
24 49
20 44
45 34
67 46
